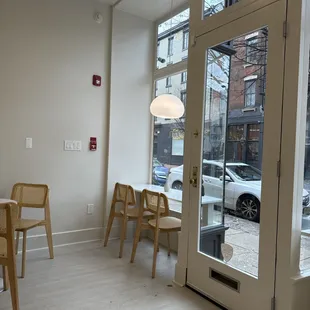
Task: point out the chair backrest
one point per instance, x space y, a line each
8 215
125 194
30 195
155 202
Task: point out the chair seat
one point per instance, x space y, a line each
25 224
134 213
3 247
167 223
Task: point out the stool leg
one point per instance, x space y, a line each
168 240
156 237
123 235
24 253
6 282
17 242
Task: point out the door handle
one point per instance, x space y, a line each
193 180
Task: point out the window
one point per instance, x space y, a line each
212 7
170 46
305 229
183 96
185 39
184 77
172 39
212 171
178 147
168 139
168 81
235 132
218 172
250 93
206 170
251 50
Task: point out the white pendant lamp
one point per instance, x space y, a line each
167 106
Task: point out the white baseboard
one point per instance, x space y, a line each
35 242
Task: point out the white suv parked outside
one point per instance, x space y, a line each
242 190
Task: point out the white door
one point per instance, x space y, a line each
235 74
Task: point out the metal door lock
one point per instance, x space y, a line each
193 180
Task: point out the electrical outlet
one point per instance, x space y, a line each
90 209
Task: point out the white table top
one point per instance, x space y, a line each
2 200
173 194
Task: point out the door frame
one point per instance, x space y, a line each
292 286
224 33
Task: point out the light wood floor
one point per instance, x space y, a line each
89 276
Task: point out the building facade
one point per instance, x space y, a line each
244 92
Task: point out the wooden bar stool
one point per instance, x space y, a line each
157 204
125 195
8 214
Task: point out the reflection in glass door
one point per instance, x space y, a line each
237 97
235 93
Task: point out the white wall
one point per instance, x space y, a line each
49 52
131 94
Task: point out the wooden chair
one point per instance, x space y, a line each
32 196
125 195
156 203
8 215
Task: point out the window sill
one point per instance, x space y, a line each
175 207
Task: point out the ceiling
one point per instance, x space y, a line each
148 9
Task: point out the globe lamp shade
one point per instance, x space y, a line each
167 106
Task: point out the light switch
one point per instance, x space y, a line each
77 145
28 143
68 145
72 145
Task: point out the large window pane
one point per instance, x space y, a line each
305 238
232 150
168 142
173 40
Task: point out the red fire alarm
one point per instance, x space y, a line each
93 144
97 80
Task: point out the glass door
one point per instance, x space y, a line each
235 86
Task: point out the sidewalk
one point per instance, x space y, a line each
243 236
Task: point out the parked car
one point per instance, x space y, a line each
242 190
160 173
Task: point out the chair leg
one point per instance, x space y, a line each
24 253
49 235
17 242
168 240
136 240
6 282
123 235
13 279
109 227
14 289
156 241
